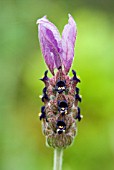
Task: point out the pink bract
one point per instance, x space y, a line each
58 52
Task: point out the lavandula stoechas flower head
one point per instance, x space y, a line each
60 94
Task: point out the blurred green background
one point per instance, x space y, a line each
22 145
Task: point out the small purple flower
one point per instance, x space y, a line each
44 96
43 114
60 96
62 107
45 78
75 78
79 117
60 127
60 86
78 97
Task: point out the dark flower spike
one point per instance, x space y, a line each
63 107
42 114
78 97
60 86
45 96
75 78
60 127
79 117
45 78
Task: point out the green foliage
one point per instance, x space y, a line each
21 66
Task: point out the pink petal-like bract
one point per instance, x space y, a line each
68 43
50 42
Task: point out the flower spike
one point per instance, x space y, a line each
60 96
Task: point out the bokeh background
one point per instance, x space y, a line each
22 145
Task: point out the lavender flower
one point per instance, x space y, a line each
60 94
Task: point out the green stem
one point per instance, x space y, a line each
58 153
